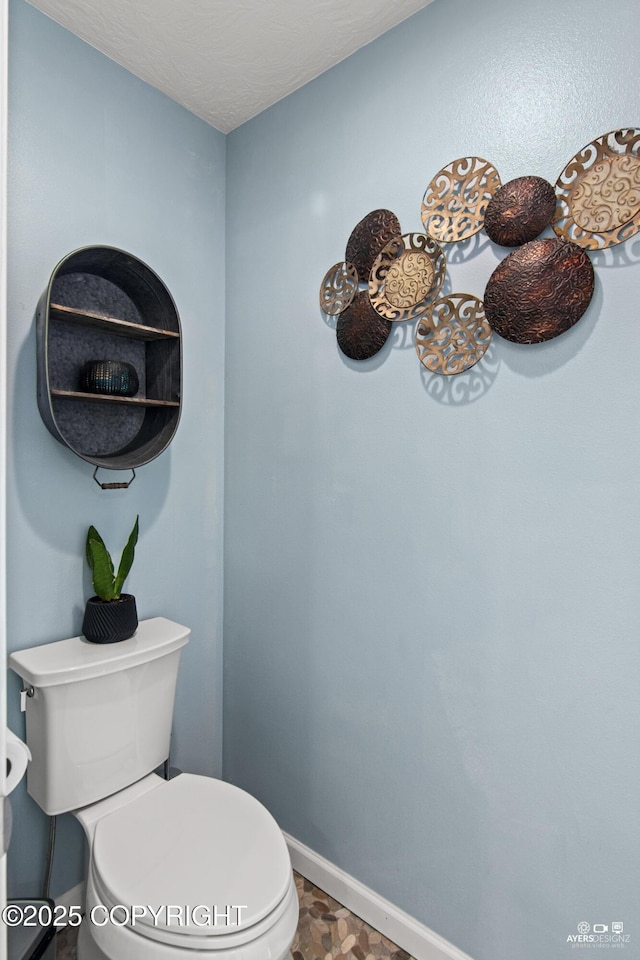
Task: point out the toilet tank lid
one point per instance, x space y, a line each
67 661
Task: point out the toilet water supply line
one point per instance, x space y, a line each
50 852
29 691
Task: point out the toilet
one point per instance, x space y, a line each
187 867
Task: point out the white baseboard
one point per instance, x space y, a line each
403 929
72 898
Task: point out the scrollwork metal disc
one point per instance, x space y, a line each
406 277
453 335
454 203
360 331
368 238
519 211
338 288
539 291
598 192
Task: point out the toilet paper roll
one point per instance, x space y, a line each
18 756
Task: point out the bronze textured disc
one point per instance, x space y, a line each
519 211
361 332
368 238
454 203
338 288
598 192
454 335
539 291
406 276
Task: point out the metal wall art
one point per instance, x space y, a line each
538 291
455 201
598 192
361 332
338 288
519 211
368 238
406 277
454 334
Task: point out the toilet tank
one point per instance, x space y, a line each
100 715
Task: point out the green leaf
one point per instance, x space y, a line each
106 584
102 570
92 534
126 559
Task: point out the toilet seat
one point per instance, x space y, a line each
112 942
193 842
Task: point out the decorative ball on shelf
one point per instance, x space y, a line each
113 377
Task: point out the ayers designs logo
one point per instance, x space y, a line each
599 935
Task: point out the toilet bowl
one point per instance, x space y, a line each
190 864
189 867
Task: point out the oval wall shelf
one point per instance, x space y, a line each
102 303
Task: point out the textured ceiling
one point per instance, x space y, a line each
227 60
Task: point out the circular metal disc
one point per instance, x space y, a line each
338 288
455 201
519 211
598 192
360 331
369 237
539 291
406 277
454 334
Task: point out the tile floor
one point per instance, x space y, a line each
326 931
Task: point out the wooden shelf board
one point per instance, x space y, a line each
122 328
109 398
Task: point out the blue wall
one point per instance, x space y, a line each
98 157
431 587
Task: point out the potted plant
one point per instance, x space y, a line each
111 615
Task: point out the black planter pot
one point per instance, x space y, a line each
109 621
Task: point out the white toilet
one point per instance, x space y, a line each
195 867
